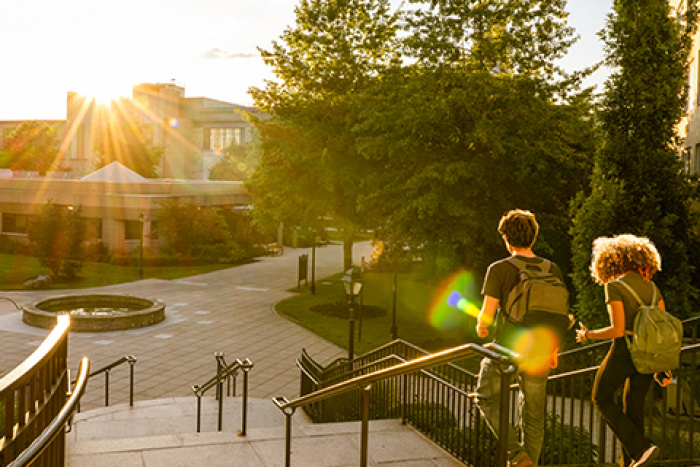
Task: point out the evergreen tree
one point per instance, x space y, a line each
638 185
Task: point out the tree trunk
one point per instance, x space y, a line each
349 234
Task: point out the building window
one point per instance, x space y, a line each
691 87
132 230
685 159
695 167
218 139
15 223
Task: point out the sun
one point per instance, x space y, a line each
105 92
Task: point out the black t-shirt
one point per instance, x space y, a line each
501 277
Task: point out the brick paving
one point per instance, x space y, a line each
230 311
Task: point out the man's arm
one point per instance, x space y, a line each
485 318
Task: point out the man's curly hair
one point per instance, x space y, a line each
519 228
618 255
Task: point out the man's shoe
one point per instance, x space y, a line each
521 460
649 455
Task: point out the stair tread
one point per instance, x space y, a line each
115 436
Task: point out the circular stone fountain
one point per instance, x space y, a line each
95 313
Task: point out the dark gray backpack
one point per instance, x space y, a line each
539 292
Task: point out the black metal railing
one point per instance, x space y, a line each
422 391
106 370
58 425
436 403
224 374
32 395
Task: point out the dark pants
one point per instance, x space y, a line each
617 370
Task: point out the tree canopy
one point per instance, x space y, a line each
32 146
428 134
126 142
309 163
638 185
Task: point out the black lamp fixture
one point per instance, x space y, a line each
352 286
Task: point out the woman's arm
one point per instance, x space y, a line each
616 310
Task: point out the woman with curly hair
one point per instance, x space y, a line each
632 260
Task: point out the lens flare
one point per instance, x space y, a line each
451 307
537 347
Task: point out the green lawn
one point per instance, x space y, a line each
422 314
17 269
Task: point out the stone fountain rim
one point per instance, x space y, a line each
148 316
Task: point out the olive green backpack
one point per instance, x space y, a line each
655 344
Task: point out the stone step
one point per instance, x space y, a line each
138 436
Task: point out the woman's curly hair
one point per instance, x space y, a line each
618 255
519 227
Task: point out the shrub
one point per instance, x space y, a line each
120 259
575 442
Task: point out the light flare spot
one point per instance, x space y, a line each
451 305
537 347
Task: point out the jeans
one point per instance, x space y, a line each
617 370
530 416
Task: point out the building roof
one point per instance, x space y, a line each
114 172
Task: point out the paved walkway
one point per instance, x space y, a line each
228 311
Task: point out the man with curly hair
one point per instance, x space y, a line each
519 230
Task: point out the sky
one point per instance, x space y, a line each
209 47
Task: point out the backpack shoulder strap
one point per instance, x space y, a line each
544 266
635 294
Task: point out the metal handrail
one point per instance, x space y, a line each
131 360
224 371
421 363
502 356
54 428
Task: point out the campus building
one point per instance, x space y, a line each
689 127
193 131
120 204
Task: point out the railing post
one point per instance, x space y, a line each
132 360
280 401
199 407
218 356
245 365
107 388
504 417
365 426
220 391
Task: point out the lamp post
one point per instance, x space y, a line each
352 285
394 330
142 219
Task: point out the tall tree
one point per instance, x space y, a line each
309 164
32 146
523 37
481 122
638 185
454 150
125 141
237 163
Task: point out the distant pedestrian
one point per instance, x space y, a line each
633 260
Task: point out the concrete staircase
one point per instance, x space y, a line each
162 432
